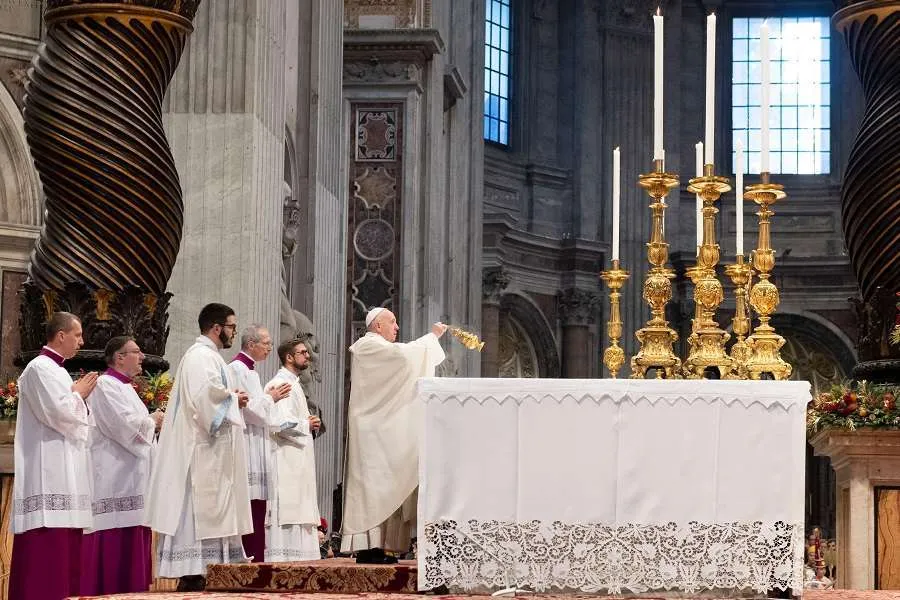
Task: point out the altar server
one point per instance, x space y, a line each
117 553
292 527
382 442
52 486
256 344
199 498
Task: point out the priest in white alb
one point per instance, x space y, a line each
199 498
256 345
51 501
292 525
381 477
116 553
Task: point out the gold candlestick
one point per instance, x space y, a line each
765 344
656 337
694 273
614 356
708 349
740 274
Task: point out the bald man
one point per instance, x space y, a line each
381 476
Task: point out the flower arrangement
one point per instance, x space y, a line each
843 407
9 399
154 390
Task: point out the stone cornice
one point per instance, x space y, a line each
844 446
17 46
379 45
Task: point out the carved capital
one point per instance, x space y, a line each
493 282
578 307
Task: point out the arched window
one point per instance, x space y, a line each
800 93
497 59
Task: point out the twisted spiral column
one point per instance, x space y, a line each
114 212
870 206
93 119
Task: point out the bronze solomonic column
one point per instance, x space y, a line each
870 192
113 206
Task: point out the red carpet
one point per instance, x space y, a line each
335 575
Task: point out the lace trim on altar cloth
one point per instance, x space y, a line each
594 557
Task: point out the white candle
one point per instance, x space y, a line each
710 85
657 86
764 96
739 200
699 152
615 197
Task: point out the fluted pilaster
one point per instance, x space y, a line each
225 116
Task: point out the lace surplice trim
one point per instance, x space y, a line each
592 557
38 502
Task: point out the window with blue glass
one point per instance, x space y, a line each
799 99
497 49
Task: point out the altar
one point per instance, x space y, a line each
611 486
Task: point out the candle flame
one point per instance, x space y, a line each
617 149
658 11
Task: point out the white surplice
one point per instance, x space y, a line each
382 443
293 513
199 499
52 486
256 416
121 447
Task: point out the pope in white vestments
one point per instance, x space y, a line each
117 557
199 498
256 345
381 475
292 524
51 501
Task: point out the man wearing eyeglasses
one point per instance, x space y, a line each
199 497
292 529
117 552
256 345
381 478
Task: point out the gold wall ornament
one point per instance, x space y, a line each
708 349
765 344
614 356
468 339
102 298
49 299
656 337
740 273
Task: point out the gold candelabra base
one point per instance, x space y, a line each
707 349
765 344
614 356
656 337
740 274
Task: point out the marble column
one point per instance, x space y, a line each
494 281
318 281
870 212
578 311
225 119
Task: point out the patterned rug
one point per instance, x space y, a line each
334 575
808 595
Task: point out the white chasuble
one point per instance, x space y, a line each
121 447
256 417
382 442
52 485
202 453
294 458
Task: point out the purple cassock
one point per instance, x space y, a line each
45 564
116 561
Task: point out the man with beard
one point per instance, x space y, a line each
256 344
292 527
199 497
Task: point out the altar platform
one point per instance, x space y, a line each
809 595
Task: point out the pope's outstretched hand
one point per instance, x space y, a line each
438 329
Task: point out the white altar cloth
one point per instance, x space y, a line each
611 485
